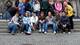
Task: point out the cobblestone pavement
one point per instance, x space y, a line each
40 39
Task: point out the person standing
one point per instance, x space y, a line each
58 7
69 13
51 6
21 8
36 7
8 4
45 6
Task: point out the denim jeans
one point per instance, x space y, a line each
54 27
6 15
42 26
27 28
12 27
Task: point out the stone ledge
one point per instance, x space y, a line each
76 19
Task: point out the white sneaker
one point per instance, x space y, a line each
29 32
45 32
22 32
40 30
54 32
69 32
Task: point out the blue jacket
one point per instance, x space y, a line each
21 8
28 7
26 20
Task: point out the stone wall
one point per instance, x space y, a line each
79 8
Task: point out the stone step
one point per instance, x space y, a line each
76 19
77 26
3 30
4 25
76 22
4 21
37 31
76 30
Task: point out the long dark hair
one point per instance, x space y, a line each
70 4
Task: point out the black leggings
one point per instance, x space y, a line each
71 22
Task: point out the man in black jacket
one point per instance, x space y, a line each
64 23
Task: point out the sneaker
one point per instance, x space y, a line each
22 32
69 32
45 32
54 32
28 33
9 32
13 33
40 31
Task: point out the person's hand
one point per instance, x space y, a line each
19 8
40 21
43 20
64 25
9 22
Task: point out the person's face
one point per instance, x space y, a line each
33 14
17 14
65 4
50 2
42 13
20 1
27 14
63 14
58 0
49 14
36 1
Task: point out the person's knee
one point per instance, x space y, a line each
15 26
54 25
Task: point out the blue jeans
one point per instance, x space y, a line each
6 15
54 27
42 26
27 28
12 27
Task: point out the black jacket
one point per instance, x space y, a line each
64 20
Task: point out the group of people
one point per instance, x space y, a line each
40 15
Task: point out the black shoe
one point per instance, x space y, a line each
9 32
13 33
